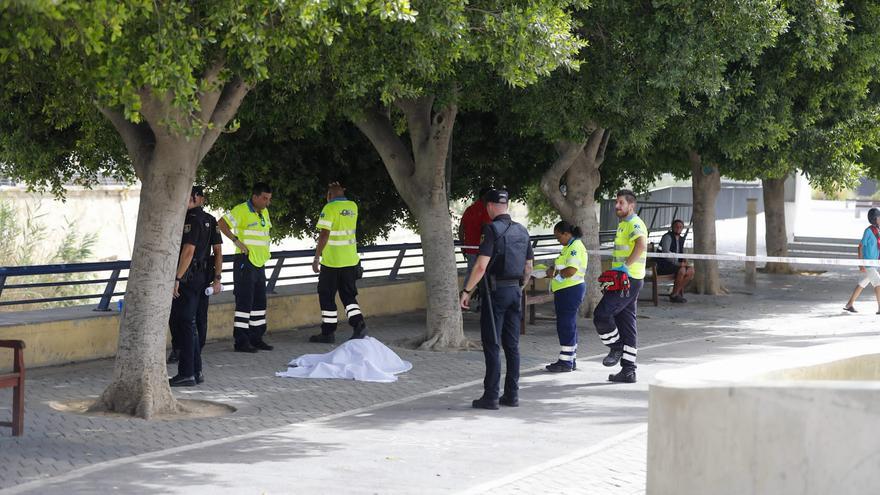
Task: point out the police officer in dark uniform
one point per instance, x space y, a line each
214 274
190 281
505 258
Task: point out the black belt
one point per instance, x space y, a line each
510 282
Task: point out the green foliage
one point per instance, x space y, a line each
299 162
60 61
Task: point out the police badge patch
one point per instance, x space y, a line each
187 228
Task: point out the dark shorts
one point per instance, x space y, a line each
667 268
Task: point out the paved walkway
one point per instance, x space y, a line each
574 433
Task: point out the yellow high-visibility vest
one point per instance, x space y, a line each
252 229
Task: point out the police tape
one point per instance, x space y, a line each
733 257
744 258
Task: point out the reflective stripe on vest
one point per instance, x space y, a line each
339 216
627 232
252 230
573 255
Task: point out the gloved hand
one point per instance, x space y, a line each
621 268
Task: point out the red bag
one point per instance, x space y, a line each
613 280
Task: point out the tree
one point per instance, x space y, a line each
645 60
403 85
168 77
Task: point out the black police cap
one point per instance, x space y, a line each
497 196
197 191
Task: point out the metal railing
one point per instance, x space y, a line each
108 279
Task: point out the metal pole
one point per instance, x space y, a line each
276 272
104 304
751 238
396 267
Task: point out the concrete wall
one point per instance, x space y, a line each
78 334
797 422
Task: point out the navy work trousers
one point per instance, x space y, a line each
567 301
344 281
250 301
183 316
615 320
505 308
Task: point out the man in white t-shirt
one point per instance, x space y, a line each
869 249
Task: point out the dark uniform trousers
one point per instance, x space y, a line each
183 314
506 310
615 320
201 319
344 281
250 301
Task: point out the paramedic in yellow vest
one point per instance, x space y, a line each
337 264
248 225
615 316
568 287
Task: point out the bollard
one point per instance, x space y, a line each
751 238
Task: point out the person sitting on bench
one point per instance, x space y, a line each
673 242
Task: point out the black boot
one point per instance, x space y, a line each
359 332
323 338
509 400
559 367
623 376
613 357
182 381
484 403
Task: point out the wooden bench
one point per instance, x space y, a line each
653 278
16 381
531 297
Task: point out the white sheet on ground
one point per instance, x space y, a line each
364 359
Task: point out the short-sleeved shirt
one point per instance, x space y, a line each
199 230
870 250
573 255
339 216
252 228
487 245
628 231
472 222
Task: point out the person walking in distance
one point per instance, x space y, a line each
869 249
338 265
506 261
568 287
248 226
615 316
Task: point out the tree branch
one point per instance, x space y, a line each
230 100
375 124
418 121
568 152
138 139
596 144
208 99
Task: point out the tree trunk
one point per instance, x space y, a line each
166 164
706 185
140 381
419 174
578 164
774 219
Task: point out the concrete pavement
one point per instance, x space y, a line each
574 433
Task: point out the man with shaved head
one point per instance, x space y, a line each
338 265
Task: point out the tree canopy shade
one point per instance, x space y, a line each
168 77
403 84
644 60
803 103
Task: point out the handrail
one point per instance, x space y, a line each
293 266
